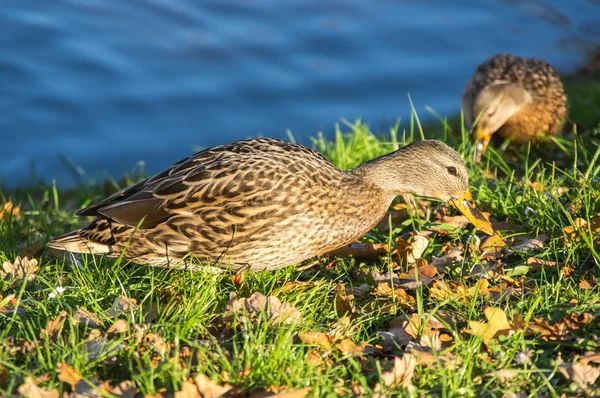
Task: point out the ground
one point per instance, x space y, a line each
425 305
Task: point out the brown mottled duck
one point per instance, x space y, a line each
521 99
263 204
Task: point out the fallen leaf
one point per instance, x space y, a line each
348 347
344 303
562 329
449 224
68 374
201 386
156 343
493 246
497 325
125 389
531 244
19 270
30 389
362 251
504 374
86 317
120 326
428 352
97 345
398 295
258 303
394 338
54 327
400 375
537 264
10 304
585 285
453 257
122 305
300 393
410 252
9 210
584 375
424 275
415 325
322 339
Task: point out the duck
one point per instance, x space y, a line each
263 204
520 99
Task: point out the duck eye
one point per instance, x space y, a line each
452 170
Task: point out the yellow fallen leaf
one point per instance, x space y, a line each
497 325
9 210
68 374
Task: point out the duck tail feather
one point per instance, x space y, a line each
77 242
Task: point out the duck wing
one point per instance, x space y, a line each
226 178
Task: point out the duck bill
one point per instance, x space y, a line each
482 139
466 206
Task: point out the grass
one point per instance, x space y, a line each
180 326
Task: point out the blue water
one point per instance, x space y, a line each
108 83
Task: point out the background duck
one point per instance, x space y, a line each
521 99
263 204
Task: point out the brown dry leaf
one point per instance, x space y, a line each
428 351
561 330
493 246
453 257
442 290
504 374
120 326
68 374
394 338
258 303
590 356
10 304
530 245
322 339
415 326
348 347
497 325
156 343
86 317
362 251
54 327
30 389
424 276
584 375
202 387
19 270
585 285
537 264
125 389
398 295
8 210
122 305
97 344
344 305
410 252
400 375
459 222
300 393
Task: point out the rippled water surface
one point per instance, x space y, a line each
108 83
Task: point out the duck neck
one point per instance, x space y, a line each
390 173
